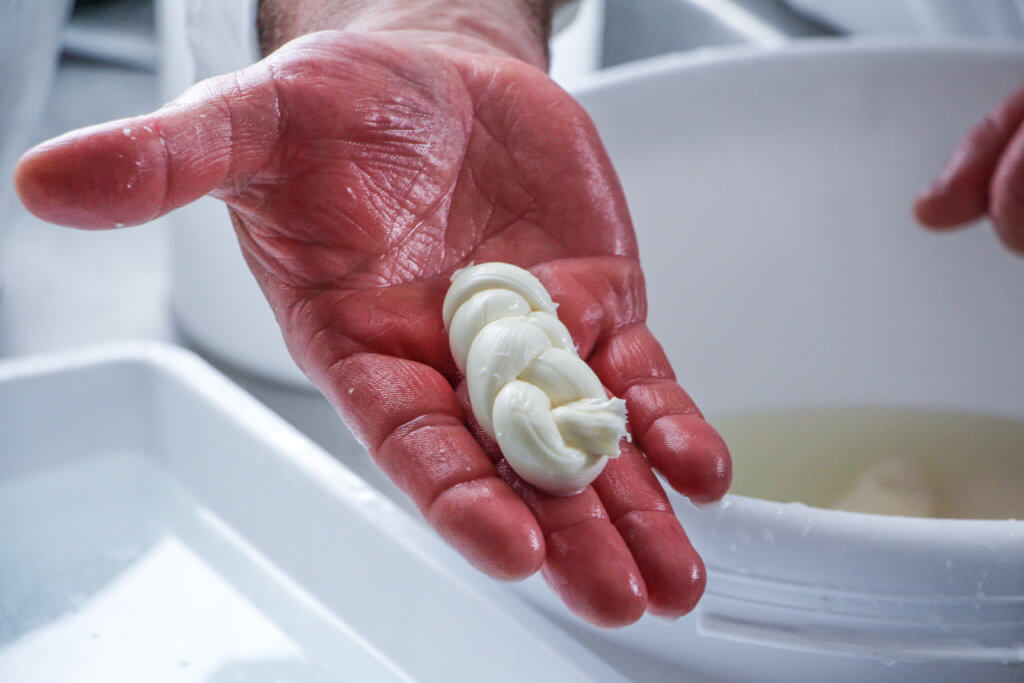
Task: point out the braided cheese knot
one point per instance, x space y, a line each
529 389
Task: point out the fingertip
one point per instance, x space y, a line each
927 210
39 186
692 456
960 194
619 611
491 527
673 571
592 570
26 183
94 178
678 599
938 210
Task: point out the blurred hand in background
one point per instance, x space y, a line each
985 176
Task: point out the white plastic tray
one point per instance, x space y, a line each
158 524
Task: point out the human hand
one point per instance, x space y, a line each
360 171
985 176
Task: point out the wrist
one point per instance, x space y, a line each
513 28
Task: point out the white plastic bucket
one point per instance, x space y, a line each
771 193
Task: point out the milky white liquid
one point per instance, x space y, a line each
951 464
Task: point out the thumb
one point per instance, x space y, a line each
134 170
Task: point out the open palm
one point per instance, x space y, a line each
361 170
